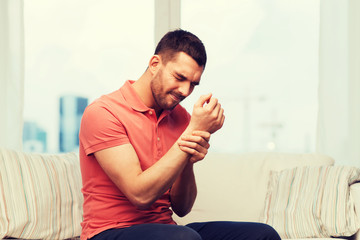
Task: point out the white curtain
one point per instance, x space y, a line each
338 132
11 73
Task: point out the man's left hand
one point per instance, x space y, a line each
196 145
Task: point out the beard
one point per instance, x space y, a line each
166 100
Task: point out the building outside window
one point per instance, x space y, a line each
71 111
76 51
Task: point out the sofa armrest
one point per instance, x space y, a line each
355 194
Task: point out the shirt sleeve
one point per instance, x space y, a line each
99 129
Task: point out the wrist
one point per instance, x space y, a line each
188 169
189 130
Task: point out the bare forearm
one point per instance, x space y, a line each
143 188
183 192
207 118
156 180
175 169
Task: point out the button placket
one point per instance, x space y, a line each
158 142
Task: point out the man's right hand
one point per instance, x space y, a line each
207 115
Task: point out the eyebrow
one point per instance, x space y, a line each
179 75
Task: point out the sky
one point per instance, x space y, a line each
262 62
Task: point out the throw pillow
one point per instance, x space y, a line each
312 202
40 195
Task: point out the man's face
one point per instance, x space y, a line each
175 80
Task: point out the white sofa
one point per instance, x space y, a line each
40 194
234 187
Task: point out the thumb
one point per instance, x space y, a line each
203 99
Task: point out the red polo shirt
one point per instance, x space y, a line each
112 120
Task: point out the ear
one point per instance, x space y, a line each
154 64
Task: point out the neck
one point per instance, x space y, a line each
143 89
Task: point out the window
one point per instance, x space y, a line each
263 67
75 52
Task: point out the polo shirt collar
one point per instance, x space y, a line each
135 102
132 98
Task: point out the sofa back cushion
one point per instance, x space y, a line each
40 195
234 187
312 202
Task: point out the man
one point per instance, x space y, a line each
138 147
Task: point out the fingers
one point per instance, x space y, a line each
193 152
196 142
208 118
221 116
217 110
195 156
202 100
196 145
218 117
205 135
214 107
212 104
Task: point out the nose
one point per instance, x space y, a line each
185 88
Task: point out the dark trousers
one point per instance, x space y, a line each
193 231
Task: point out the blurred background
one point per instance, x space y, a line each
269 63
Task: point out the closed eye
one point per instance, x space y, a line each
180 77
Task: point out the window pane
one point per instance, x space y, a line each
263 67
76 51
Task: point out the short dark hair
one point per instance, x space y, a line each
181 41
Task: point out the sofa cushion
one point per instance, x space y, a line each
312 202
233 187
40 195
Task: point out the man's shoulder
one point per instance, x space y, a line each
108 101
